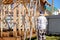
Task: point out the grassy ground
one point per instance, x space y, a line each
53 38
50 38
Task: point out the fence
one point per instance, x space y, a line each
53 25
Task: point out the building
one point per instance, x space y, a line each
18 14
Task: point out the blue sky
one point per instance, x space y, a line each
56 3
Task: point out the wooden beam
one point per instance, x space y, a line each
7 1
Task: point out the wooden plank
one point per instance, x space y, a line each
5 34
9 38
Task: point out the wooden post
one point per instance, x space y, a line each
20 18
14 18
36 20
27 21
39 6
2 18
30 18
1 21
24 25
52 6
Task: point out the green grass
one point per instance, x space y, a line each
51 38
